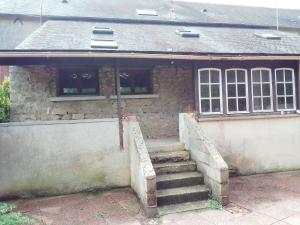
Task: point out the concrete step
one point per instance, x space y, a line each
174 167
181 195
164 145
179 180
184 207
172 156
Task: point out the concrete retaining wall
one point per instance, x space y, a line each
61 157
257 144
206 155
143 177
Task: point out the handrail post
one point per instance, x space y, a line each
117 73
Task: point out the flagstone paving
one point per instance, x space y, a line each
269 199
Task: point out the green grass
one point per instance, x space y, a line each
8 217
214 202
100 216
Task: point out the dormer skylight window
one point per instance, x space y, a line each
146 12
102 30
188 33
104 44
268 36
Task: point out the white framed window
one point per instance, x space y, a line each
210 91
285 89
237 90
262 96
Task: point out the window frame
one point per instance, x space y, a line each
271 90
133 82
236 86
210 98
294 90
60 85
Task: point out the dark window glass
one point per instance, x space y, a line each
289 89
231 76
280 89
288 76
266 89
279 76
267 103
215 105
242 104
289 102
265 76
205 106
232 105
256 76
214 76
256 90
204 78
257 104
204 91
231 90
215 90
281 103
134 81
78 81
241 90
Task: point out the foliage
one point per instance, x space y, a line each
8 217
214 202
100 216
4 102
6 208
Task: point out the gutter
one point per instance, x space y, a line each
131 55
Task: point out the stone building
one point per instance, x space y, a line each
81 63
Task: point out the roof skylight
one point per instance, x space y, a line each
146 12
110 44
269 36
102 30
188 33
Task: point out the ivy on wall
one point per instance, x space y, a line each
4 101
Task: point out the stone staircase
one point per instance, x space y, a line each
180 187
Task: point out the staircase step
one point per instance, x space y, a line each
183 207
179 180
174 167
162 145
182 194
172 156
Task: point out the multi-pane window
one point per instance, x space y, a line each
261 82
210 91
285 89
78 81
136 81
236 90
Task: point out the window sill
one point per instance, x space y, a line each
76 98
214 118
135 96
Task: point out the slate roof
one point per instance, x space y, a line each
125 9
149 38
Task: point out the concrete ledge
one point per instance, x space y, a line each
135 96
76 98
247 117
55 122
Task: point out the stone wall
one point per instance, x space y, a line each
33 86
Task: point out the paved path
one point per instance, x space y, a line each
255 200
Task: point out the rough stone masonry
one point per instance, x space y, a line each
33 86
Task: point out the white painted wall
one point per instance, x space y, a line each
61 157
257 144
